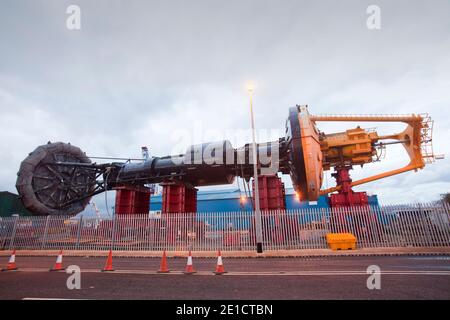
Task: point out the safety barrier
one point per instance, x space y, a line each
416 225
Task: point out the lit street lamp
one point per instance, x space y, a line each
259 248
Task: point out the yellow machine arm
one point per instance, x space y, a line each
358 146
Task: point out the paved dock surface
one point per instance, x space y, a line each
402 277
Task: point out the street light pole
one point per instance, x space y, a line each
259 248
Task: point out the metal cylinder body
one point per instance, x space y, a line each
204 164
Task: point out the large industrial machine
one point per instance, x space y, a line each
59 179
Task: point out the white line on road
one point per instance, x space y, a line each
262 273
50 299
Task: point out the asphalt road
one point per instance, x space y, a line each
415 277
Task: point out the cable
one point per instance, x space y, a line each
113 158
108 171
241 204
243 182
250 195
239 187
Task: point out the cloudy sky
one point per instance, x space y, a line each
170 73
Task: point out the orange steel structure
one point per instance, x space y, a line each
360 146
58 178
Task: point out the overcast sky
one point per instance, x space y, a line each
147 72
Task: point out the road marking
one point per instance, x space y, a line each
261 273
50 299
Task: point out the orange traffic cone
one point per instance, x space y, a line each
58 265
108 264
189 266
11 266
219 268
163 268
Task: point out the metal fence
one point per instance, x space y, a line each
416 225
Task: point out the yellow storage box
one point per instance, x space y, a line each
341 241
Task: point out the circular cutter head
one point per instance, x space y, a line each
304 153
47 188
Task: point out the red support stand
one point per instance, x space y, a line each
179 198
272 195
346 197
132 200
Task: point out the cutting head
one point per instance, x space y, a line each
304 154
45 187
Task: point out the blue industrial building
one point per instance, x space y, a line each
229 200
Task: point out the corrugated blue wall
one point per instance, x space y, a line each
229 200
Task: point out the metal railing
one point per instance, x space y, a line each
417 225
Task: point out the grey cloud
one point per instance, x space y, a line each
140 69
